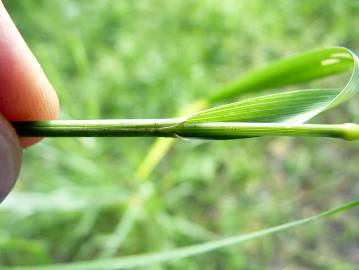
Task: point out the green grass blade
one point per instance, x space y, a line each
292 107
180 253
297 69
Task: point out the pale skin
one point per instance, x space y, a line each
25 94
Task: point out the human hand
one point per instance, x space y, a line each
25 95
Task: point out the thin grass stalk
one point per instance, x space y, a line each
176 128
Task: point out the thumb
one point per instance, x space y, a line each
10 157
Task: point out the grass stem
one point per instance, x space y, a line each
177 128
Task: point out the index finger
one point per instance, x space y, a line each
25 92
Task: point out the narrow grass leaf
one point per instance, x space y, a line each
290 107
180 253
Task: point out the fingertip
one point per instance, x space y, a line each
25 92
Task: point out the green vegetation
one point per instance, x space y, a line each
87 199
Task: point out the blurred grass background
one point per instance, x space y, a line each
135 59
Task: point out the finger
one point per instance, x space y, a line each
10 157
25 92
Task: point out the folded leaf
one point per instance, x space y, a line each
294 106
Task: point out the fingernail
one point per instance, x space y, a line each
10 158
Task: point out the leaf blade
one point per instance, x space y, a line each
293 106
180 253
